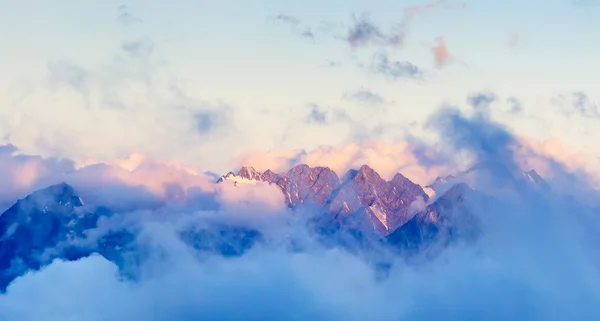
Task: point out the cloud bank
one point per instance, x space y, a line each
535 261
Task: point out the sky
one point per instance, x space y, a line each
139 104
203 82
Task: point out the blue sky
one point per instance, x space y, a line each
201 81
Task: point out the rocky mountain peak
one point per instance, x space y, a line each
59 194
361 192
537 180
248 172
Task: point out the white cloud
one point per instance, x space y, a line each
523 269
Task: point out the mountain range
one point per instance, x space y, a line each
56 223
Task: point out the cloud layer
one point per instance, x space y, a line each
535 260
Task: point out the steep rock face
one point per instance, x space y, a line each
37 223
361 199
54 223
537 181
451 217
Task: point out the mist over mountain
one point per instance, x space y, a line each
314 160
292 235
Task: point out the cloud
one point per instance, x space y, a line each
515 105
356 129
365 96
321 116
137 174
441 54
522 267
534 260
139 48
21 174
364 32
307 34
394 69
478 139
126 17
482 101
211 119
295 26
291 20
277 160
386 158
130 97
316 115
577 103
64 73
258 199
574 167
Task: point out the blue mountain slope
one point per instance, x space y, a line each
41 227
453 216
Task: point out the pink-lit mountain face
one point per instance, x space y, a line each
359 197
362 200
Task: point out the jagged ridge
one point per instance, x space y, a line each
360 198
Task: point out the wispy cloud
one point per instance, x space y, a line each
291 20
126 17
65 73
316 115
209 120
295 26
577 103
319 115
365 96
515 105
140 48
364 32
482 101
133 100
393 69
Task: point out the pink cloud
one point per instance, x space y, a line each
260 198
277 160
440 53
386 158
389 158
538 154
165 180
21 174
